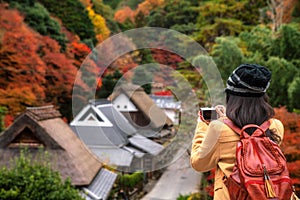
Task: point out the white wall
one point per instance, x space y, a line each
122 103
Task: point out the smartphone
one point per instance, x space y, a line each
209 113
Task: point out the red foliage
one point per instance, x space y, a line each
21 69
33 70
144 7
8 120
169 61
166 57
290 144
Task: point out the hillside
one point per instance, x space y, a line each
44 42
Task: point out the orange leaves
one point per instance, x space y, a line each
145 7
17 98
280 12
20 66
291 121
33 70
124 14
148 5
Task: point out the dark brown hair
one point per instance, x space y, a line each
250 110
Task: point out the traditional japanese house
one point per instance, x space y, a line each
136 105
112 138
42 129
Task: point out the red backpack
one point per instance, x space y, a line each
260 170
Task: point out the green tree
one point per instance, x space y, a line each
3 111
112 3
227 55
283 73
108 84
258 40
286 43
226 18
74 16
294 93
34 181
175 14
280 54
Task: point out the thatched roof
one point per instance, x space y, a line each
144 103
43 127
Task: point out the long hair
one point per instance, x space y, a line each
250 110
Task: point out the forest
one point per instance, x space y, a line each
43 44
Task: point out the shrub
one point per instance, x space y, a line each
30 181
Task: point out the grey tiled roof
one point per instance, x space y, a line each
113 156
120 123
101 185
115 135
146 144
99 136
117 144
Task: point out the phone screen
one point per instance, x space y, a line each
209 113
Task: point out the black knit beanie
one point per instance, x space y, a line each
249 80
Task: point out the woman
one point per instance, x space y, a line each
214 143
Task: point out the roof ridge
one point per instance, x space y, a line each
43 112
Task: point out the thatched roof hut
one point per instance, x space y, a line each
43 127
153 116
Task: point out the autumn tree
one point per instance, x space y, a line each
107 12
99 22
290 144
124 14
60 75
21 69
32 68
128 17
38 17
280 12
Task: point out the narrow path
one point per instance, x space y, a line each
179 178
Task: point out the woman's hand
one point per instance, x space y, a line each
201 118
221 110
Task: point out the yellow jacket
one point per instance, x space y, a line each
214 146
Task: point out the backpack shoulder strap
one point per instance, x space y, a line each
264 126
231 125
